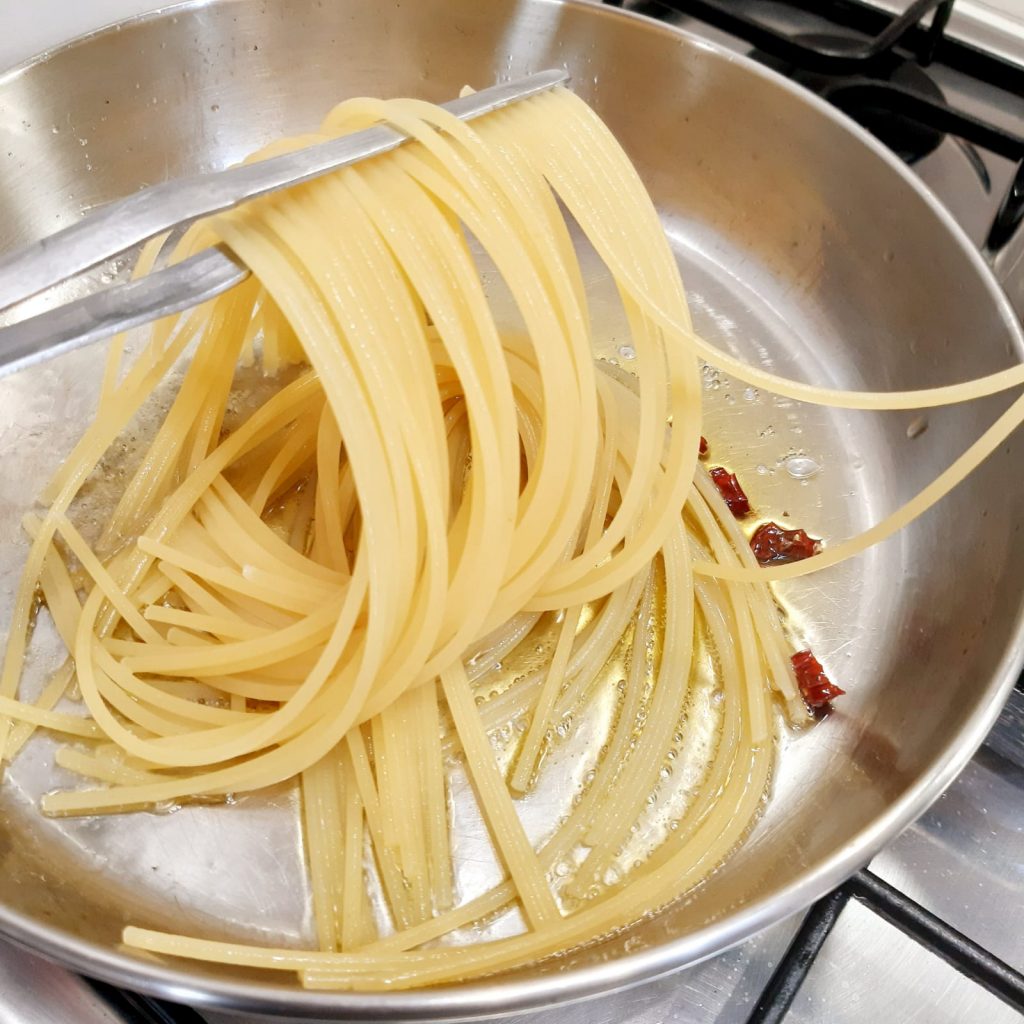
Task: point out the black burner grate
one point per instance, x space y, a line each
132 1008
972 960
821 56
873 71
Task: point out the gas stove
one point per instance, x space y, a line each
930 930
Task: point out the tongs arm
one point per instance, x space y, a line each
128 222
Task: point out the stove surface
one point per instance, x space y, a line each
862 955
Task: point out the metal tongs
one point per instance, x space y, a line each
124 224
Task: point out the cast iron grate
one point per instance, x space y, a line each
872 66
132 1008
970 959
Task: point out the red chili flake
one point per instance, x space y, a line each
703 450
772 544
729 488
817 689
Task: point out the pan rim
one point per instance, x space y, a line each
502 995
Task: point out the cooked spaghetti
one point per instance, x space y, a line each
314 592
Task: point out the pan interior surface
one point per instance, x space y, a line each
803 250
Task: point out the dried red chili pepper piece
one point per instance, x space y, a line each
772 545
703 450
730 490
817 689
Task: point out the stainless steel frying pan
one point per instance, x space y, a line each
805 247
